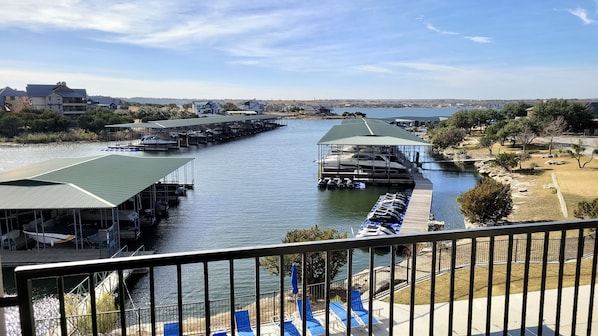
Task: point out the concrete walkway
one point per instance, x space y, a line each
441 318
421 323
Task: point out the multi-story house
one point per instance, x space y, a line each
58 98
253 105
12 100
104 102
206 107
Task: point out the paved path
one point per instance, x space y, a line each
422 316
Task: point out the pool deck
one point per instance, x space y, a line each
421 316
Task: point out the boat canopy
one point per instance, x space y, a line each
190 122
77 183
370 132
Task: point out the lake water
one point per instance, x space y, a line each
252 191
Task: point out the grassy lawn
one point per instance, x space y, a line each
539 202
534 199
499 281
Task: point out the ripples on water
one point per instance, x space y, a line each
251 192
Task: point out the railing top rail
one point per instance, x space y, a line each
122 263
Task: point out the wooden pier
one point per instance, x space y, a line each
417 215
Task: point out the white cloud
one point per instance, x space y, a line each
582 14
479 39
445 32
373 68
425 66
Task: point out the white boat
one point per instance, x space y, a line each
361 160
50 238
154 140
382 229
386 216
365 165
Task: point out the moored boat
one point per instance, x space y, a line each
386 216
50 238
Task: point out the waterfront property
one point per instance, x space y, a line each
58 98
538 278
370 151
82 208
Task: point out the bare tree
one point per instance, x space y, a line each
577 152
554 129
526 135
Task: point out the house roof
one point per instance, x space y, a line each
8 92
104 100
79 93
39 90
91 182
43 90
370 132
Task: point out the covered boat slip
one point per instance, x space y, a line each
77 204
401 149
370 151
178 133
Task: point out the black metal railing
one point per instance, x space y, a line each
533 278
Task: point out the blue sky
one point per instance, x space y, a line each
238 49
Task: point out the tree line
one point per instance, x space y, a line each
515 124
31 121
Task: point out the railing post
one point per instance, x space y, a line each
439 258
516 249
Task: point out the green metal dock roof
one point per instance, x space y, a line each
370 132
75 183
175 123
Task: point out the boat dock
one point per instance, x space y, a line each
56 254
417 215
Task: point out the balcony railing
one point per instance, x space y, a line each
522 279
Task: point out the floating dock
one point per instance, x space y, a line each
417 216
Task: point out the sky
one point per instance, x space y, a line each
330 49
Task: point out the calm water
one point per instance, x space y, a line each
251 192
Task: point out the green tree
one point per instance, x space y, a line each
507 160
488 202
10 125
462 119
443 137
514 110
315 267
577 116
96 119
487 141
586 209
577 152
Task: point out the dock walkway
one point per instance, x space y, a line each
417 215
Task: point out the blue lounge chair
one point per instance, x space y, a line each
290 329
220 333
314 326
171 329
243 324
358 309
341 314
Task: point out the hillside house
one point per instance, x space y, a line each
104 102
206 107
58 98
253 105
12 100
